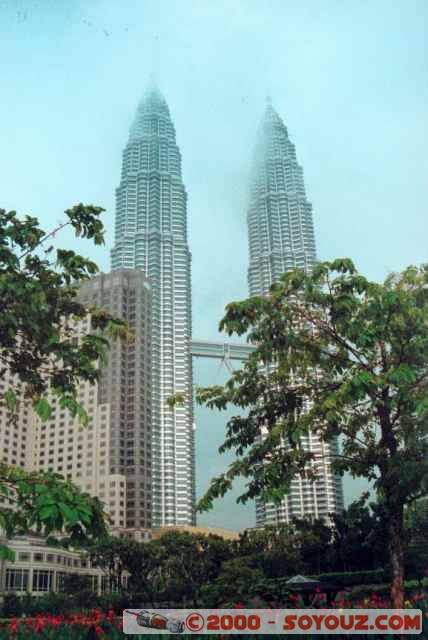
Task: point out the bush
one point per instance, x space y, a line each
12 606
28 604
53 603
85 600
116 601
351 578
137 599
363 591
75 583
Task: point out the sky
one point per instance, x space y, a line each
348 78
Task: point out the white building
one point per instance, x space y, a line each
281 237
111 456
151 234
39 568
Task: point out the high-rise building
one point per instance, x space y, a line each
111 457
280 227
281 237
16 432
151 234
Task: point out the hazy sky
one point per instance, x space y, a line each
348 78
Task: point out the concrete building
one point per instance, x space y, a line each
281 237
110 458
151 234
226 534
16 435
39 568
280 227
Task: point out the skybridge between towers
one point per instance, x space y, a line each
224 351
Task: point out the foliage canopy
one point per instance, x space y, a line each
337 355
40 357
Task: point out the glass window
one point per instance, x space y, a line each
38 557
104 584
17 579
42 580
24 557
60 577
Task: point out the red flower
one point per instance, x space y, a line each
99 631
39 623
14 625
239 605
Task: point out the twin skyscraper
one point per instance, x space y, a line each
151 235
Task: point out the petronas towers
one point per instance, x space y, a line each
281 237
151 235
280 228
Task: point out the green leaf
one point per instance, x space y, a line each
43 409
11 400
6 553
70 514
176 400
48 512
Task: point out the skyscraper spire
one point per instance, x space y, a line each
281 237
151 234
280 228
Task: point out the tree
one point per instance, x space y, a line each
341 356
184 562
416 524
314 539
234 583
120 557
114 556
276 550
39 355
359 534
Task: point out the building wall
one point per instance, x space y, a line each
226 534
281 237
280 227
16 434
151 234
39 569
125 389
111 456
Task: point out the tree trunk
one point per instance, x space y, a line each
397 557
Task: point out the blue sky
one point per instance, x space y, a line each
348 78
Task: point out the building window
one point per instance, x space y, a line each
42 580
38 557
24 557
17 579
60 578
